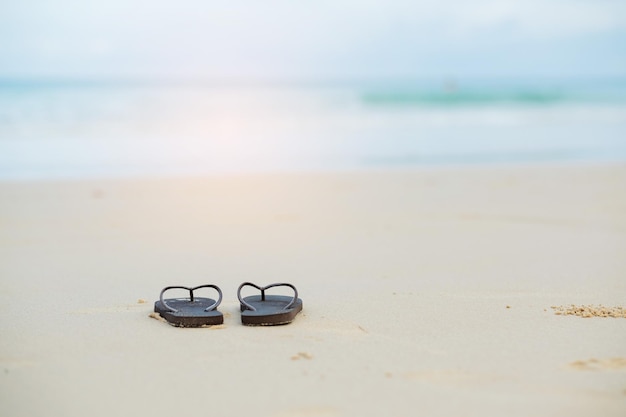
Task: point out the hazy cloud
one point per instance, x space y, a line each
310 39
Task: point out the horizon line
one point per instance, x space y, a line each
8 80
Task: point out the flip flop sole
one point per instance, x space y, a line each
269 312
189 314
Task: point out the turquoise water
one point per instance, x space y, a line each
70 129
497 92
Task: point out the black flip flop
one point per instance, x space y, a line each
268 310
192 311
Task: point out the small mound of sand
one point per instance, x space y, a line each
157 316
587 311
599 364
301 355
213 326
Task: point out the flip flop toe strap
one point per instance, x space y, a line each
191 298
262 289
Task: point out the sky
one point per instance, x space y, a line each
321 39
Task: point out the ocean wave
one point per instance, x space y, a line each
486 98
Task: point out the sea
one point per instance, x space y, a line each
72 129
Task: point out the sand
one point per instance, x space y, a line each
426 292
590 311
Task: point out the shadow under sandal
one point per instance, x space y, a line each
192 311
268 310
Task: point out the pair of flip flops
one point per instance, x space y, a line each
256 310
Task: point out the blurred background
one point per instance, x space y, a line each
157 88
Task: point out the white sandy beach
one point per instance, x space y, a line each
425 292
